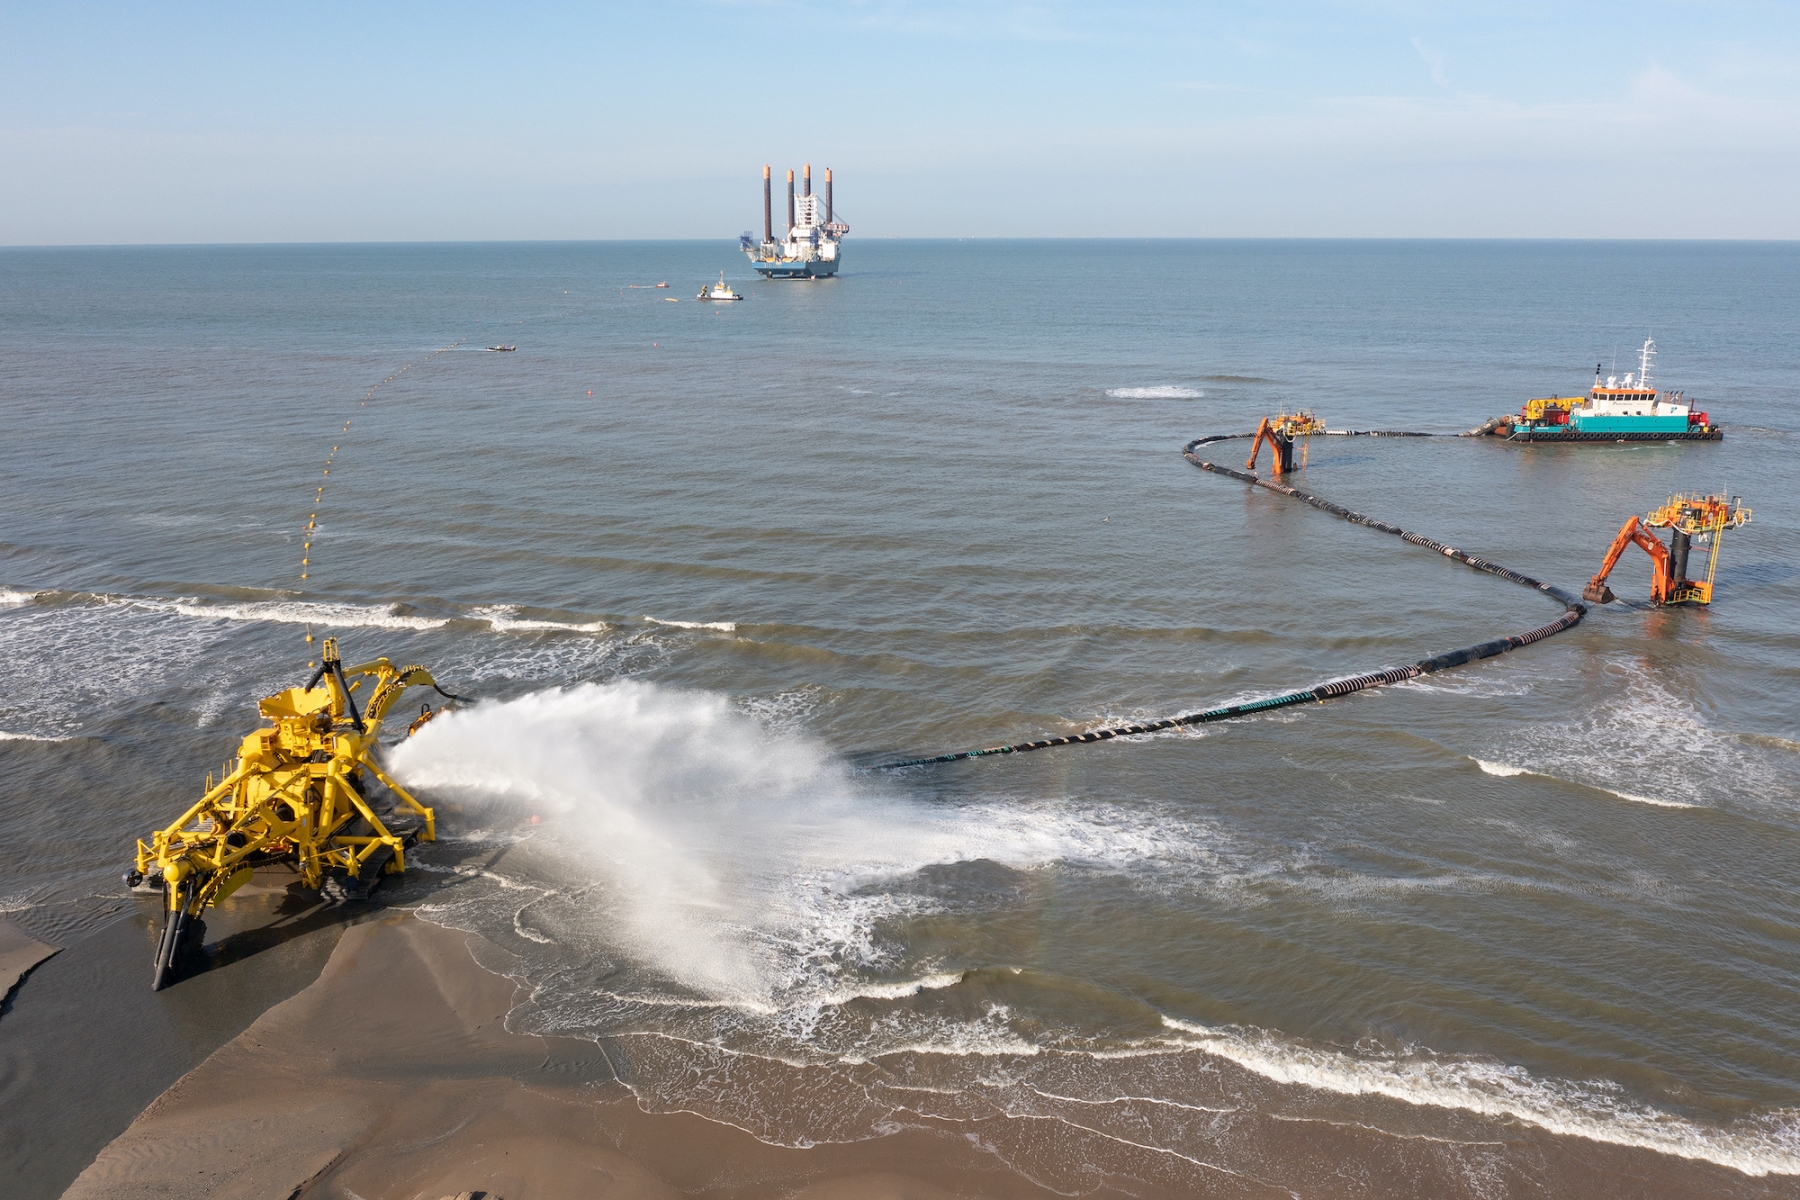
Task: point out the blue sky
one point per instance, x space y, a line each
327 122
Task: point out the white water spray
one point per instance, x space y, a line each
730 860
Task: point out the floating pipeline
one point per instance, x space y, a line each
1574 610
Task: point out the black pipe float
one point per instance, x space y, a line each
1573 611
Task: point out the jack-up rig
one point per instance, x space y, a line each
810 244
1689 519
302 793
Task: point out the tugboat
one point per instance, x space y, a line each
810 246
501 349
718 291
1612 411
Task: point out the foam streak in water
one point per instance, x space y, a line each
1597 1111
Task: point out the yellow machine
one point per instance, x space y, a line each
1534 410
1690 518
1281 431
299 793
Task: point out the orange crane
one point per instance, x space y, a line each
1689 518
1280 431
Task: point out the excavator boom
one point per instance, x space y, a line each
1280 431
1264 433
1596 592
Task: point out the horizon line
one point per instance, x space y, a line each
895 238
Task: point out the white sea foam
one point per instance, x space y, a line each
1165 392
1505 771
504 618
1595 1110
28 737
12 596
721 626
327 615
1640 740
1501 769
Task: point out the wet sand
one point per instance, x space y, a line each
85 1045
19 953
393 1075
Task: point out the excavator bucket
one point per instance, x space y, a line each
1598 593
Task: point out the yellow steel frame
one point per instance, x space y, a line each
292 793
1705 517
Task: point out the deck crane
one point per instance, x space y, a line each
300 792
1281 431
1689 518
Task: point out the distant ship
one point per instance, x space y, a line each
811 242
1634 412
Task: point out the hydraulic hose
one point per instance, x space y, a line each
1573 611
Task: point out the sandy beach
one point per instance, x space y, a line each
393 1075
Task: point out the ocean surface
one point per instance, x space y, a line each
701 565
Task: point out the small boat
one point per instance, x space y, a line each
501 349
662 285
718 291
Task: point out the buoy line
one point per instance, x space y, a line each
1573 608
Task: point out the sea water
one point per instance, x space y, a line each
701 565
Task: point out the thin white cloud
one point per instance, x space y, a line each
1435 61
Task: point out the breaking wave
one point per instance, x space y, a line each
1168 392
1503 771
1645 744
721 626
1596 1110
505 618
294 612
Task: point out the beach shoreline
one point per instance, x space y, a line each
393 1075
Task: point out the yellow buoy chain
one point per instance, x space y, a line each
312 520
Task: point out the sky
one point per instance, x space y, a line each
176 123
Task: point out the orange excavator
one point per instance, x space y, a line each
1281 431
1689 519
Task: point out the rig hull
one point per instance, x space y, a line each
1559 434
795 268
